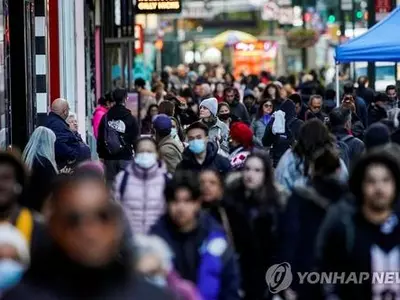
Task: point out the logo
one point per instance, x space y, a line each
279 277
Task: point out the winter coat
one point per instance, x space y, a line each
362 111
128 129
240 111
356 146
376 114
367 94
304 213
212 260
255 235
290 171
170 152
259 127
68 146
54 276
213 161
238 158
141 194
98 114
219 134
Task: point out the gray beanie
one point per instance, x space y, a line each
211 104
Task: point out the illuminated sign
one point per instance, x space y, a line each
139 39
158 6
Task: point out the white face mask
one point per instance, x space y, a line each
146 160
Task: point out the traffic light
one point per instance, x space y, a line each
359 14
331 19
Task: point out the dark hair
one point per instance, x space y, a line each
142 139
106 98
339 116
326 162
348 88
119 95
140 82
362 81
197 125
166 107
222 104
330 94
8 158
296 98
268 196
266 95
390 87
150 108
187 93
183 180
313 136
380 155
260 111
381 97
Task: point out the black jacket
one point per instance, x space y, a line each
240 111
213 161
355 145
367 94
129 134
376 114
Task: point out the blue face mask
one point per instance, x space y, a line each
146 160
197 146
158 280
10 273
174 132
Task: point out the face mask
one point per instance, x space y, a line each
197 146
224 117
10 273
158 280
174 132
146 160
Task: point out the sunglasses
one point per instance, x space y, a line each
103 216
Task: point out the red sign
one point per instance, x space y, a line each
139 39
382 8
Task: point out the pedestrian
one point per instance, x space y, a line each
262 119
218 132
357 126
73 125
361 108
249 101
315 109
224 114
377 135
391 92
377 110
201 248
240 144
67 146
169 149
104 104
301 108
87 249
39 158
146 97
305 212
167 107
232 97
364 91
363 236
282 131
13 182
177 132
294 165
147 122
118 132
14 257
155 263
340 124
201 153
219 91
253 204
139 188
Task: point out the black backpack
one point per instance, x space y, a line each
113 140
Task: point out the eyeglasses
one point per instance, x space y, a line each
104 216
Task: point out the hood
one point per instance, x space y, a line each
212 151
383 155
100 109
118 112
289 108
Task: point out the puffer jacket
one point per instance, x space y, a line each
219 134
142 199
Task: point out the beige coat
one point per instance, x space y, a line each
170 152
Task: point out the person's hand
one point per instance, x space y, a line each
149 264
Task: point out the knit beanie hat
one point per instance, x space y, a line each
377 134
162 123
241 133
11 236
211 104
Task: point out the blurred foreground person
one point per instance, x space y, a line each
253 204
140 187
364 236
39 157
201 248
14 256
88 257
12 194
305 211
155 263
202 154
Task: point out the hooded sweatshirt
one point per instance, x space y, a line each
98 114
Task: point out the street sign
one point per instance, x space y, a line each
382 9
270 11
158 6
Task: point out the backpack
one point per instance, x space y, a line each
344 149
113 140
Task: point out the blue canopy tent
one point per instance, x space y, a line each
380 43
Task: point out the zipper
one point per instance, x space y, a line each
144 201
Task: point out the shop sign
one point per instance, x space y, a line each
158 6
382 9
286 15
139 39
270 11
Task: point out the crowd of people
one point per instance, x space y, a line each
214 181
